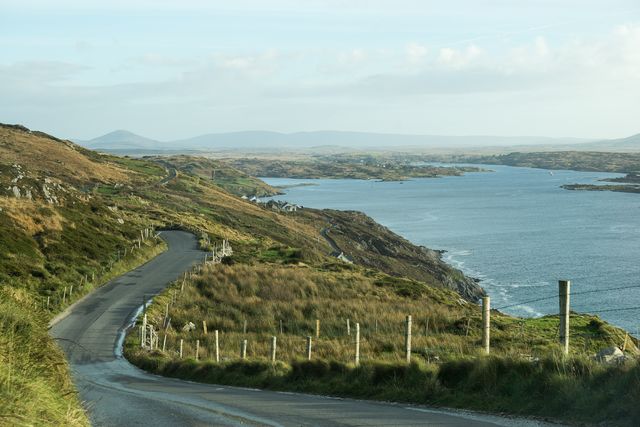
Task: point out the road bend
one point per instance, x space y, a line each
116 393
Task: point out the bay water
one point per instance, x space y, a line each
515 229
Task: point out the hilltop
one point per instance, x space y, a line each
71 218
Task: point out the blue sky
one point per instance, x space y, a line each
169 69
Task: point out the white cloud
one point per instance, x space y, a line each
416 52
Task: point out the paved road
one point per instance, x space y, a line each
119 394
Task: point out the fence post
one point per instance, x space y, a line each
71 292
309 348
243 350
197 349
357 344
317 328
204 326
564 288
144 331
48 299
164 343
273 349
280 326
64 296
244 329
181 342
217 347
407 339
348 328
486 323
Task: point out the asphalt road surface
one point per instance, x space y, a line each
116 393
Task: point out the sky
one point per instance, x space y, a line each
170 69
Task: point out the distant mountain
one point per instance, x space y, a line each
630 143
263 140
121 140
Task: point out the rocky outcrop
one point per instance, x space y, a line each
368 243
610 355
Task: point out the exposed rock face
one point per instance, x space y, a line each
368 243
610 355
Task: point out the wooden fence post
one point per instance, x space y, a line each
564 288
357 344
217 345
243 350
197 349
181 343
308 348
407 339
144 331
317 328
486 323
273 349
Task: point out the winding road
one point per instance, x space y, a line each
116 393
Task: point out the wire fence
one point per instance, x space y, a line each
591 291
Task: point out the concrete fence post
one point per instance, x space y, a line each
204 327
181 346
164 343
197 348
217 346
486 324
317 328
564 288
357 344
407 339
273 349
308 348
348 328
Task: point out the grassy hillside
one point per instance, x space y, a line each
526 373
70 220
71 217
220 173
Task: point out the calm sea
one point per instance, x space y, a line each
514 228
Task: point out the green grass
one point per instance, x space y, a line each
572 389
35 386
449 368
280 272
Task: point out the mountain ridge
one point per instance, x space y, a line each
256 139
